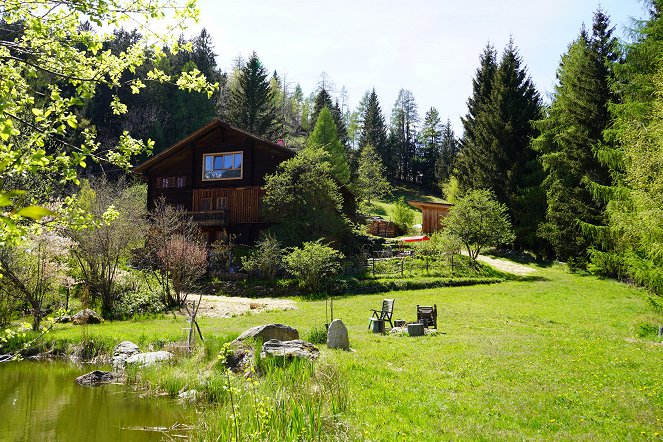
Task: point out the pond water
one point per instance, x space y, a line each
40 401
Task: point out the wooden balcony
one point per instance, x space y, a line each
212 218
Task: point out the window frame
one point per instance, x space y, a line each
221 154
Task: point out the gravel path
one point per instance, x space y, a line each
227 307
506 266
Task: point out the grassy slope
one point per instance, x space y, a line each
551 359
384 207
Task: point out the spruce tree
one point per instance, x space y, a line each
404 120
374 132
449 147
252 104
371 182
570 137
502 160
322 100
324 135
430 146
482 85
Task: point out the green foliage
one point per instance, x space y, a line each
303 200
451 189
314 265
252 105
41 133
371 182
402 215
496 152
403 137
570 137
449 147
317 335
479 221
266 259
325 136
374 129
430 151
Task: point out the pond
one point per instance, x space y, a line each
41 401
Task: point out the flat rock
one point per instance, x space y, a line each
86 316
267 332
150 358
337 335
290 349
123 351
96 377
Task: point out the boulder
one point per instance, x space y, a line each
270 331
96 377
86 316
64 319
123 351
188 395
289 349
151 358
337 335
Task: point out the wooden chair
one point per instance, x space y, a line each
385 314
427 314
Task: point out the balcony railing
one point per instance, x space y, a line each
211 218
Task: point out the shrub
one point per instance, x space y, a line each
317 335
266 259
402 215
313 265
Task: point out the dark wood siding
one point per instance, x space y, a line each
243 204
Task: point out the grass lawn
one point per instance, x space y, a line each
561 358
385 206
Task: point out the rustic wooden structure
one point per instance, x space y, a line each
431 214
383 315
383 228
427 315
216 174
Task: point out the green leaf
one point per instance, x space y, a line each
35 212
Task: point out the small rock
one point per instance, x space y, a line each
290 349
239 360
63 319
6 358
86 316
123 351
189 395
337 335
96 377
270 331
151 358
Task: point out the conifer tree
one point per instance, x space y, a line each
252 105
449 147
371 182
430 147
324 135
570 137
404 120
501 158
374 131
482 85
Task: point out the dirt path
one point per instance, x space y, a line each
506 266
227 307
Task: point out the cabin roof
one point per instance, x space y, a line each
215 123
429 205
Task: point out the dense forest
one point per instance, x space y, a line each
579 175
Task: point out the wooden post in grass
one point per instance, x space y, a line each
192 321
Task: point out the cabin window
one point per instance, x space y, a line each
171 182
222 166
206 204
221 203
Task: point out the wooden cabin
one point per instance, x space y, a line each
431 215
217 174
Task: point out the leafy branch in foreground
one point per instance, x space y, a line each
51 64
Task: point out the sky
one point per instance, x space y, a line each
429 47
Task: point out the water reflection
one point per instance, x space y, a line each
40 401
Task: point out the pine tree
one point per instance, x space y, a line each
449 148
325 135
404 119
482 85
430 146
322 100
374 132
252 102
570 137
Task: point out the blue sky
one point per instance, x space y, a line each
429 47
